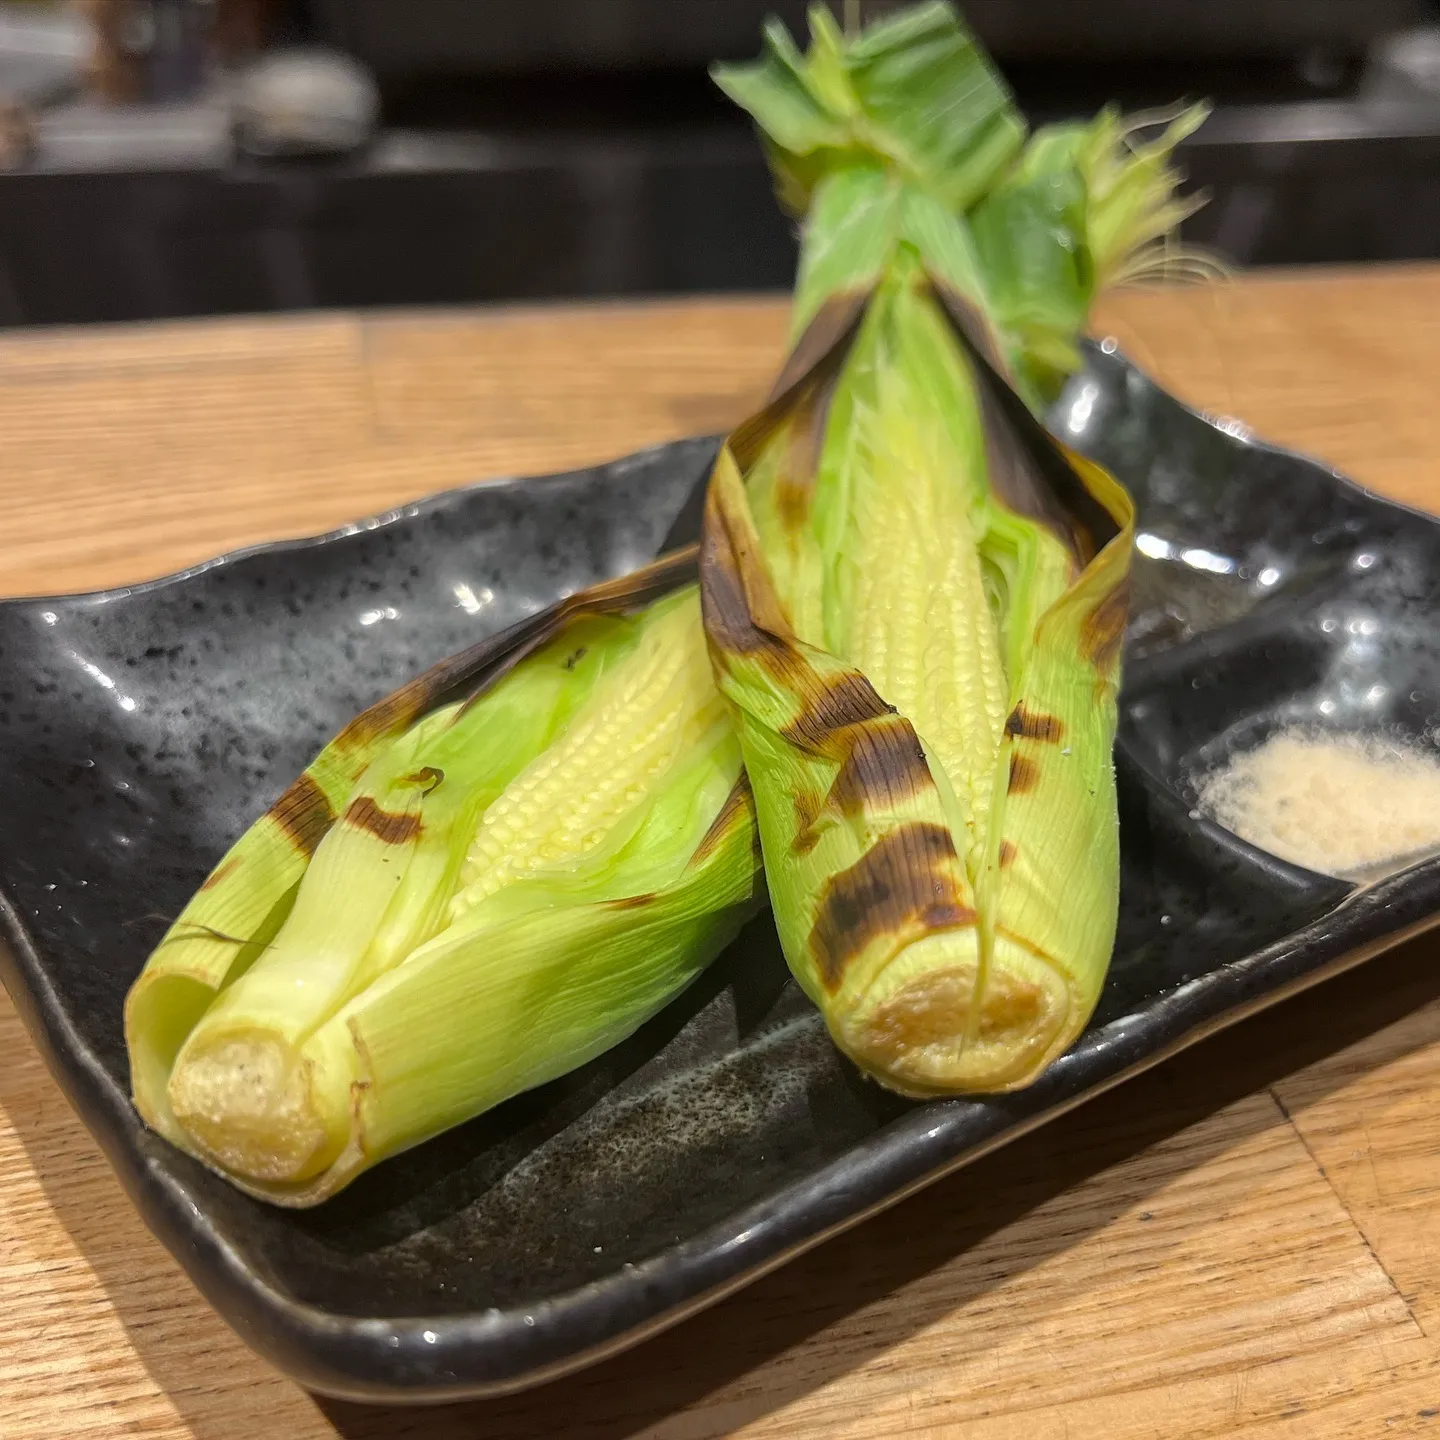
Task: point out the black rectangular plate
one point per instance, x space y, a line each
143 728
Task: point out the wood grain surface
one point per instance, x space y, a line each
1245 1242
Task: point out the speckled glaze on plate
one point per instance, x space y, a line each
142 729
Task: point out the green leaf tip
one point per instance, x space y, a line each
913 94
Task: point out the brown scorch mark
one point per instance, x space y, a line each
389 716
836 704
222 872
808 808
728 621
1024 775
303 814
1103 630
906 883
738 803
1028 725
632 902
884 769
384 825
825 338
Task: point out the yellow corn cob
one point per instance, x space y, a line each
478 916
924 683
914 598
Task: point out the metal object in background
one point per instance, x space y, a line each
1405 66
304 102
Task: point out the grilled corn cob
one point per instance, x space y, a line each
465 905
914 598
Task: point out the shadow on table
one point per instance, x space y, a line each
643 1388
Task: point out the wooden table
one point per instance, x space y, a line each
1245 1242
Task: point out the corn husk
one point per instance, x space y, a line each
914 597
472 894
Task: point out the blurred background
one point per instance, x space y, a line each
191 157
